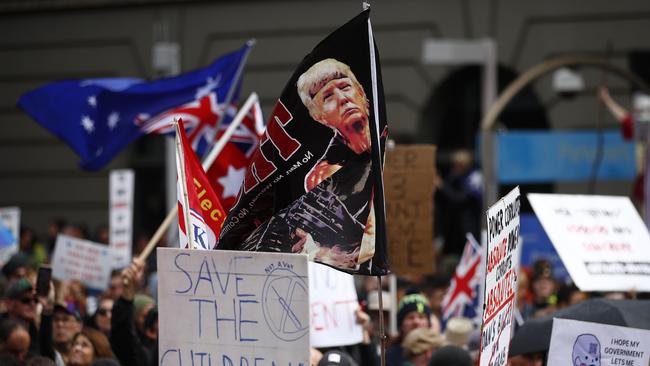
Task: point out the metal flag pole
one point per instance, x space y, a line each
207 163
382 331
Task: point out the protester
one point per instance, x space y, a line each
14 339
131 347
66 322
458 331
101 319
413 312
87 346
544 289
16 268
419 345
450 356
20 306
336 358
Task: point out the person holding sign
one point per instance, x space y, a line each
129 347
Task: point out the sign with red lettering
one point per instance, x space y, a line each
333 302
575 342
120 193
500 279
82 260
602 240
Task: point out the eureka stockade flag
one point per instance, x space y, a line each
314 185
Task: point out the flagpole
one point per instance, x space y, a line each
233 87
207 163
180 160
382 331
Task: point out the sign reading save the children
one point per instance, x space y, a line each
500 279
229 308
82 260
333 303
579 343
602 241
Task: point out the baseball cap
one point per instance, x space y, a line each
336 358
18 288
67 308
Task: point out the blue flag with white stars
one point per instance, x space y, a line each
100 117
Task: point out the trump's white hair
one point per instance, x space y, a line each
318 75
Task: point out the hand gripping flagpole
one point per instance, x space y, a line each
207 163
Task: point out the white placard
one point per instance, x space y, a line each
333 302
503 253
83 260
579 343
228 308
120 232
602 241
10 227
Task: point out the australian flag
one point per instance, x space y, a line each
462 297
100 117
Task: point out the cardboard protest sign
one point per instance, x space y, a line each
500 279
9 232
121 183
82 260
333 302
602 241
408 185
579 343
232 308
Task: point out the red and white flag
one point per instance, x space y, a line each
200 214
227 173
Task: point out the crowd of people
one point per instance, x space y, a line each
74 325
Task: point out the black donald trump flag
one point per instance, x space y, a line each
315 183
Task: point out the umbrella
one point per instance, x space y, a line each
535 334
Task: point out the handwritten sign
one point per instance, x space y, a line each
121 183
333 302
9 232
82 260
409 185
231 308
500 279
602 241
578 343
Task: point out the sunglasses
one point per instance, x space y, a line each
103 311
28 300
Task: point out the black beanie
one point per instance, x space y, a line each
450 356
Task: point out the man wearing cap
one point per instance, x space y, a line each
413 312
66 322
20 303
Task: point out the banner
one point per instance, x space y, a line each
333 303
120 230
82 260
314 185
97 118
9 232
502 268
552 156
200 214
232 308
409 181
580 343
602 241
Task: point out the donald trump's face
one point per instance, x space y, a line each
341 105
